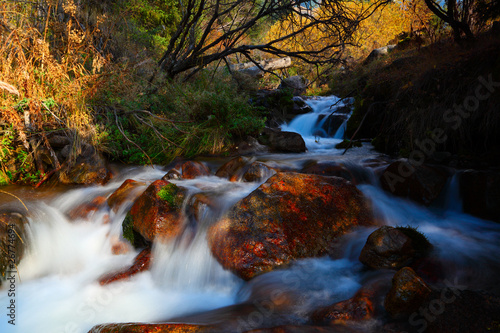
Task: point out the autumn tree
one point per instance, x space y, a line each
212 30
375 31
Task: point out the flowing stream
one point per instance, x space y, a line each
57 289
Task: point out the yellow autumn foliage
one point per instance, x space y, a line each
373 32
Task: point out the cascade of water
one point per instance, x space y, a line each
58 289
312 126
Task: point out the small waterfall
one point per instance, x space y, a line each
453 200
322 128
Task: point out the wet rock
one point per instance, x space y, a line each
119 246
90 168
394 248
251 146
200 202
128 191
299 106
407 293
152 328
331 124
141 263
12 242
422 184
193 169
353 173
358 308
156 213
256 172
281 141
480 191
84 210
172 174
233 169
288 217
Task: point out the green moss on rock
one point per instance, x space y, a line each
168 193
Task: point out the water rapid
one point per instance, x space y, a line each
57 288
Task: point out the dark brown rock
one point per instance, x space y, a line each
407 293
256 172
141 263
172 174
233 169
393 248
281 141
157 212
422 184
480 191
128 191
59 141
90 168
250 146
290 216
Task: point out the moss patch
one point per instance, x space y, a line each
128 228
420 241
169 193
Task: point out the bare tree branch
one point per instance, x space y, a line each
211 30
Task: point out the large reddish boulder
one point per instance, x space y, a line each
128 191
288 217
156 213
141 263
422 184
